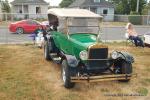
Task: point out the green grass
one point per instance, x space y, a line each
147 80
142 91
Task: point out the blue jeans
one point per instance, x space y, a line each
137 40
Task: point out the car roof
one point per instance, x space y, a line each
72 12
21 21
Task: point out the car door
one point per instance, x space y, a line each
31 26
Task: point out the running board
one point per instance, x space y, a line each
55 58
90 79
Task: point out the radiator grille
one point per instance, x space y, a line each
98 59
98 53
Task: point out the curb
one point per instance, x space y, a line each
16 43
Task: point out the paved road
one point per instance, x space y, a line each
118 33
8 37
109 33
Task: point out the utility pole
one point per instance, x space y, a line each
137 6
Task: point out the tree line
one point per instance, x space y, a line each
128 6
121 6
5 7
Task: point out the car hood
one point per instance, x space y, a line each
84 39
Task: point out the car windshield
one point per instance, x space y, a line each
83 25
33 22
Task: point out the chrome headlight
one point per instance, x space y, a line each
83 55
114 54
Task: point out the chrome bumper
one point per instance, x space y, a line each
99 78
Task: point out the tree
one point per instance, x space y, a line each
146 9
5 6
5 9
123 7
65 3
133 4
126 6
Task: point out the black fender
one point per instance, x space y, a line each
124 56
71 60
72 63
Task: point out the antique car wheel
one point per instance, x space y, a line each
46 51
19 30
126 68
66 75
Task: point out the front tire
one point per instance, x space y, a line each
66 77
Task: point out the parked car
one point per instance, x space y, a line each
24 26
75 44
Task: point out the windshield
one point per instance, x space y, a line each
83 25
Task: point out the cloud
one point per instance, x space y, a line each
52 2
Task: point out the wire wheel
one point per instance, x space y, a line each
19 30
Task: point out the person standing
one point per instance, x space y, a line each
39 34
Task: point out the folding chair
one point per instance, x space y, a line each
147 40
128 40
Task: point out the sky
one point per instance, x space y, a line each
52 2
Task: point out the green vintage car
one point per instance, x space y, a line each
74 42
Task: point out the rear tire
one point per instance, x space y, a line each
126 68
66 77
46 52
19 30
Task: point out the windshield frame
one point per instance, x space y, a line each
86 18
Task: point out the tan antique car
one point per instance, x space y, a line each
74 42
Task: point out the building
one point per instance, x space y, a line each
25 9
101 7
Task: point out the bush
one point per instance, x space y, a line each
135 18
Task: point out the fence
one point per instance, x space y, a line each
18 16
113 30
135 19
